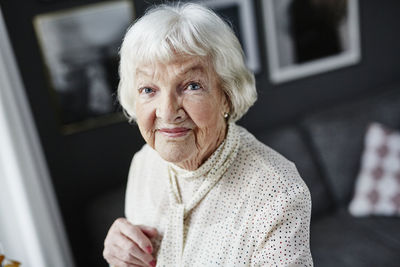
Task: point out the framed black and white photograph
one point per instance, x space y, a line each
80 52
240 14
307 37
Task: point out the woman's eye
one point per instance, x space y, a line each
194 86
146 90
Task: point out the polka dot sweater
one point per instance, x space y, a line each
245 206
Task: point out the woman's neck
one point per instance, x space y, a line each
201 155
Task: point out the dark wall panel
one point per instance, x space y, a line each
379 66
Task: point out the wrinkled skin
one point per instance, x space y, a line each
184 93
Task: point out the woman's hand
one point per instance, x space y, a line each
128 245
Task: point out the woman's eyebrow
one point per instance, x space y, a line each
141 71
190 67
194 68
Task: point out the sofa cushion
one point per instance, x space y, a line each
337 136
288 142
387 228
343 240
377 188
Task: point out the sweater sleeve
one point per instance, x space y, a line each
287 243
130 189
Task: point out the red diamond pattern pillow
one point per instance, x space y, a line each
377 190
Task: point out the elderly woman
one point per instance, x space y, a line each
203 191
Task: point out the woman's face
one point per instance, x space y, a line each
180 108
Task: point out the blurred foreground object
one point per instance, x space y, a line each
7 262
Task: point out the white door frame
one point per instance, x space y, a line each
29 211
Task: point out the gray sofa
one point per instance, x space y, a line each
326 148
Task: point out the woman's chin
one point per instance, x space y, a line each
174 152
175 159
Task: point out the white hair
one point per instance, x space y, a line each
188 29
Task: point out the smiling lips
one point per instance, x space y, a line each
174 132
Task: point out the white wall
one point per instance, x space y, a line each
31 229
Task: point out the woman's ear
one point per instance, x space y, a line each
226 104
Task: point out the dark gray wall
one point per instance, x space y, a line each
88 164
380 28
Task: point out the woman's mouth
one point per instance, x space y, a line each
174 132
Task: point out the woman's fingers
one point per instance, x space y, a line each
118 254
150 232
135 234
128 251
116 262
127 245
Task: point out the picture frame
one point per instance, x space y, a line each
309 37
79 48
240 14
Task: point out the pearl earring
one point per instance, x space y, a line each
226 115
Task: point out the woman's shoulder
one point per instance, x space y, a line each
257 151
146 155
269 166
145 162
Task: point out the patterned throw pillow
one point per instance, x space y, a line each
377 189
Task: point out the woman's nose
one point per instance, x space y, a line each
170 108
